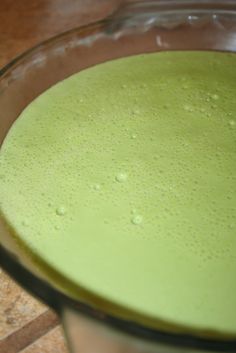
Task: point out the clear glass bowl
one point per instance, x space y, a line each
92 323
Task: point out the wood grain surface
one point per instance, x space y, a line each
26 325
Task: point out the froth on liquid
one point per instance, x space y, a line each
123 179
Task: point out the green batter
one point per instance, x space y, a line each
123 179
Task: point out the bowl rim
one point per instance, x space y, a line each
53 296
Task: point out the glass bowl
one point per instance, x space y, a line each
92 323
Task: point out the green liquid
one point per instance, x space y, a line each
123 179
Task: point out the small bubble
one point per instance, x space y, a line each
124 86
25 222
232 123
137 219
60 211
188 108
121 177
135 112
57 227
133 211
96 186
133 136
215 96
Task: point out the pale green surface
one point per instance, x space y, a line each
123 178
